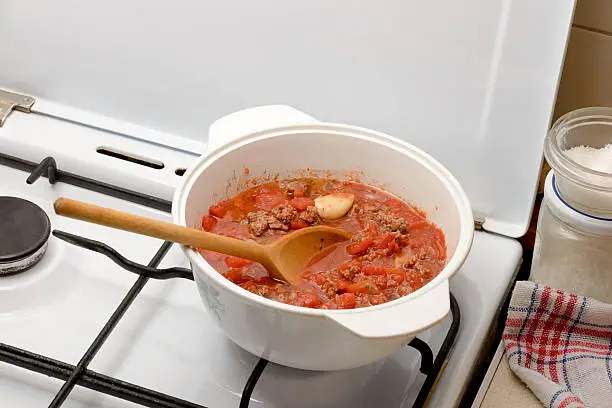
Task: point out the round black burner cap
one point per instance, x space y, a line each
24 228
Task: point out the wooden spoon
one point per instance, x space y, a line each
284 258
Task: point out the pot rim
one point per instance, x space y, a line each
461 200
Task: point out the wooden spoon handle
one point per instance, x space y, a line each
158 229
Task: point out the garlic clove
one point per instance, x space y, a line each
334 206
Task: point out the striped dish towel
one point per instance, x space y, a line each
560 345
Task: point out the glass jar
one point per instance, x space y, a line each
573 248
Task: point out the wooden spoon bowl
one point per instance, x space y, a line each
283 258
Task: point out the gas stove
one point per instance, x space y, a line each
108 318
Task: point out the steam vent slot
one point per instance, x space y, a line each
143 161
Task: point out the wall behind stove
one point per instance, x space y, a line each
587 79
587 73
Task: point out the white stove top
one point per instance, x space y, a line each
167 342
498 88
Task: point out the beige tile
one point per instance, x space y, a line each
595 14
507 391
586 79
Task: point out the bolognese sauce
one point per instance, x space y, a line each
394 249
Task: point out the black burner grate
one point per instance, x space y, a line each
80 375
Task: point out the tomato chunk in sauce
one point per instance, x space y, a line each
394 250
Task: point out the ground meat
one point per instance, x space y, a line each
276 224
370 255
372 208
257 222
421 270
417 262
292 185
350 272
424 254
359 277
279 219
391 223
284 213
329 289
309 215
404 290
359 236
409 258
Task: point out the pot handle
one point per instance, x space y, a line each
408 318
230 127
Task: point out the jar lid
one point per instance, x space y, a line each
575 218
578 148
591 127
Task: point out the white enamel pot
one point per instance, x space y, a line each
280 140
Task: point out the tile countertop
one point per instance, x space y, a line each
506 390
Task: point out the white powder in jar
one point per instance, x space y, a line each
591 157
592 200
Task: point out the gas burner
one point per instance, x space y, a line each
24 231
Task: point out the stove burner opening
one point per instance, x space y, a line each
24 231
